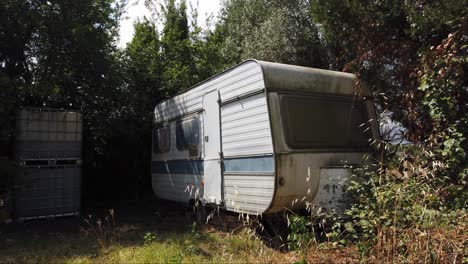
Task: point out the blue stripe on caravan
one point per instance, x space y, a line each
250 164
158 167
177 167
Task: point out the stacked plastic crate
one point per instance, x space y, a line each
48 154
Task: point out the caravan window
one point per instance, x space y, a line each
188 133
321 121
162 139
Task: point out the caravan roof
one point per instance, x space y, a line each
273 77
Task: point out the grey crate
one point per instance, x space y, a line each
48 191
48 134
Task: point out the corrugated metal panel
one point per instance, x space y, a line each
248 193
245 127
177 187
245 78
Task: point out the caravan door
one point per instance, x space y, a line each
212 176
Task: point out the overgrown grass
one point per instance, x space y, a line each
31 247
214 246
192 247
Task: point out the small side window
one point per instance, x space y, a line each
188 134
162 139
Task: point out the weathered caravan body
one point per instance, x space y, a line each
259 137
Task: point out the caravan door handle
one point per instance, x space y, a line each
206 138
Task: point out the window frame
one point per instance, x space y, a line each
155 143
179 133
321 147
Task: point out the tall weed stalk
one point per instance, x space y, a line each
102 230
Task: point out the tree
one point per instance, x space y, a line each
17 24
271 30
176 52
144 68
206 49
61 54
383 43
413 54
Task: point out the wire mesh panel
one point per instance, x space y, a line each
48 191
48 134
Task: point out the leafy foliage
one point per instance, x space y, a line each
176 48
270 30
445 88
383 43
300 235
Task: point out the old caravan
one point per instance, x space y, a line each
260 137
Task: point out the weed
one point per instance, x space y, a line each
300 232
398 208
398 211
176 259
149 237
194 230
103 231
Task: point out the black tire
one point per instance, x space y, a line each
200 214
275 232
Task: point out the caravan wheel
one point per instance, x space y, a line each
200 214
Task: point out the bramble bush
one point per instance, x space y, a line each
411 205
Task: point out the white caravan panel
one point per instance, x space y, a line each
212 139
249 179
332 182
246 127
238 81
175 177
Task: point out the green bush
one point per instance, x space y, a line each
300 233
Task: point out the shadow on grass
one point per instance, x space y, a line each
59 239
43 241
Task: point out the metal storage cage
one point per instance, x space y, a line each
48 134
50 191
48 155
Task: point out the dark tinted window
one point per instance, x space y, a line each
162 139
188 133
324 121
